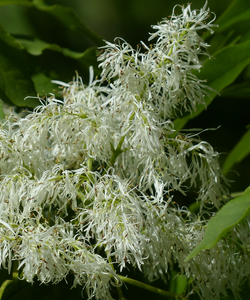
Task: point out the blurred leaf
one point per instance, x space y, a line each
4 286
9 40
68 18
219 41
89 54
16 290
230 214
27 65
36 47
1 110
237 11
240 90
234 25
44 86
25 291
39 82
220 72
15 85
239 152
15 2
89 58
178 283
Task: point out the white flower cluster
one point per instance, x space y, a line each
98 170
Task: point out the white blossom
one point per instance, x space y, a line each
97 172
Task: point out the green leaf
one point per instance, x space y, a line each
234 25
1 110
4 285
15 85
15 2
9 40
44 86
178 283
68 18
36 47
89 58
240 90
237 11
220 72
230 214
239 152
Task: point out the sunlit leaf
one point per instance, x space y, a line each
230 215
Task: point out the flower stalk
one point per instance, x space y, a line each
152 289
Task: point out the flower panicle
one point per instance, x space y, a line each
99 171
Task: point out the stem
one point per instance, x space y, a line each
117 151
4 286
10 281
121 297
90 165
152 289
15 270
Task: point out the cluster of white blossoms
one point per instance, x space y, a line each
97 172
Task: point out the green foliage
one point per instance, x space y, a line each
1 110
231 48
229 58
29 60
221 71
234 22
233 58
67 17
178 283
239 152
15 83
230 215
